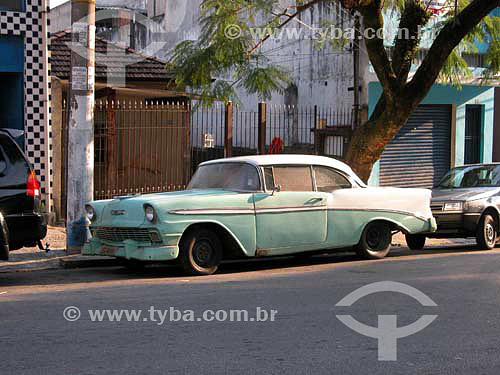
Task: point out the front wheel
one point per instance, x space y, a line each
415 241
486 233
375 241
200 252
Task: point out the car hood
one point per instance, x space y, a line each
466 194
129 210
168 196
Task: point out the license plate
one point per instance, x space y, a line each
109 250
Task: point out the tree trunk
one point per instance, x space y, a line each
369 140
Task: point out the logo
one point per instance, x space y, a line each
387 333
118 212
83 44
233 31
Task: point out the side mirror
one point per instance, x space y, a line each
276 189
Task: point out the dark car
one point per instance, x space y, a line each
21 222
466 203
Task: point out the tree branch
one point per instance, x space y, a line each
447 40
373 19
406 44
299 9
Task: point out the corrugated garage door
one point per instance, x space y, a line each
420 154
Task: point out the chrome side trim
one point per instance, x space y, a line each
277 210
235 211
272 210
381 210
204 211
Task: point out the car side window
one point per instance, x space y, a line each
328 180
19 169
269 178
293 178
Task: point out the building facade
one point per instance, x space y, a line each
25 83
452 126
319 76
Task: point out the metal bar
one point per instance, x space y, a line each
262 122
228 130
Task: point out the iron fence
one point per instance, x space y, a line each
284 129
152 146
139 147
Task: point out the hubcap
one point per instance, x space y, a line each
373 237
203 253
490 232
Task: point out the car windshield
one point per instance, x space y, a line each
471 176
226 176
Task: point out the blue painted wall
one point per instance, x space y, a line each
12 83
11 53
444 94
14 5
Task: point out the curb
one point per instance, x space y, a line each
33 265
61 262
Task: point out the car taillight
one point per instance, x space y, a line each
33 186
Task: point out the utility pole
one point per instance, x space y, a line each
356 48
80 127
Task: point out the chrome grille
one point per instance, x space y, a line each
437 207
115 234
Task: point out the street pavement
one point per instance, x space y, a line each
305 337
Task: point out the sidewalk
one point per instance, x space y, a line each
30 259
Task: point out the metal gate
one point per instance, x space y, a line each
139 147
420 154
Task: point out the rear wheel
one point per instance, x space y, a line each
486 233
375 241
415 241
200 252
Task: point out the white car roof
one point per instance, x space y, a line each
284 159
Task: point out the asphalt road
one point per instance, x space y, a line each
305 337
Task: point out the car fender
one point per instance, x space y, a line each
397 224
245 251
490 208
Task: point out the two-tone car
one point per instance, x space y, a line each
465 203
258 206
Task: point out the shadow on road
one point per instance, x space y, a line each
171 271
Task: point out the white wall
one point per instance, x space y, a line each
322 77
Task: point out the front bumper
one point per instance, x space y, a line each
432 224
456 223
131 250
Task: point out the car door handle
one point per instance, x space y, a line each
315 200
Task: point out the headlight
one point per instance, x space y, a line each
454 206
90 212
150 213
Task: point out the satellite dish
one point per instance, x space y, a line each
175 13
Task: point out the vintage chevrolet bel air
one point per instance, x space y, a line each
258 206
